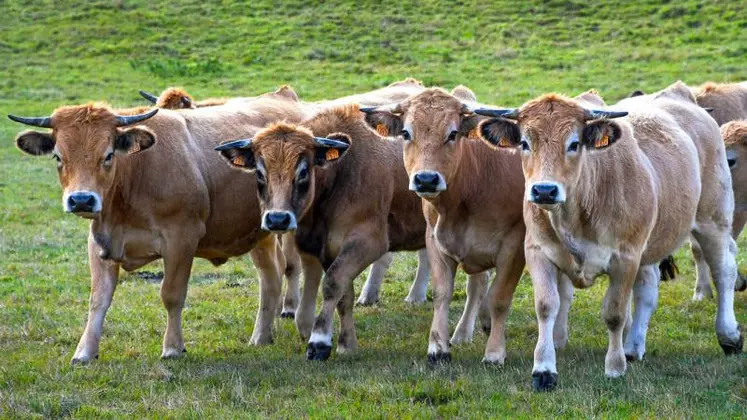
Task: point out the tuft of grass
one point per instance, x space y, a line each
507 52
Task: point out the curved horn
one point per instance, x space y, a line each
510 113
235 144
123 120
150 98
187 102
321 141
593 114
393 108
45 122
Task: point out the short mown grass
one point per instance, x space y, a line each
54 53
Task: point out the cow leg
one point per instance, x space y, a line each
565 293
292 274
646 296
477 285
104 276
443 270
703 274
509 266
740 218
419 287
312 276
372 287
544 276
265 258
177 264
719 250
483 312
623 272
356 254
348 341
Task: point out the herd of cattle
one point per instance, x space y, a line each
570 187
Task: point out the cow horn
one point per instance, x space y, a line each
510 113
235 144
393 108
187 102
150 98
45 122
593 114
325 142
123 120
708 109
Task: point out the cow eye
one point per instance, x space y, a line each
452 137
573 147
260 177
57 158
405 135
303 175
525 146
108 158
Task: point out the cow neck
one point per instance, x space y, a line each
116 208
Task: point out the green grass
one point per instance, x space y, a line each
54 53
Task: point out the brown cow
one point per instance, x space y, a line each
343 190
153 188
729 100
615 197
473 219
178 98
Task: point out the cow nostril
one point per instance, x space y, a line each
91 200
553 191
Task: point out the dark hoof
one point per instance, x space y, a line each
544 381
486 329
318 351
632 358
288 315
741 284
439 358
732 348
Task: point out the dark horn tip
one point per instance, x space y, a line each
148 96
234 144
367 109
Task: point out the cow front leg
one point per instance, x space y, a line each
623 272
372 288
104 276
177 264
443 269
312 276
356 254
348 341
265 259
544 276
419 287
477 285
646 297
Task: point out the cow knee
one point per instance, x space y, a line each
546 309
614 321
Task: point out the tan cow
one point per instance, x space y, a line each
471 199
729 100
606 194
343 190
153 188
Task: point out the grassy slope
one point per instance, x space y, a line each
53 53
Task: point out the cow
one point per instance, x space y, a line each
153 188
343 190
613 192
178 98
471 200
728 101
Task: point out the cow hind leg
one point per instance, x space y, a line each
419 287
292 275
507 275
703 274
476 288
348 341
372 288
560 330
719 251
265 259
177 267
646 297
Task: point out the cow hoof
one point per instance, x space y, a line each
633 357
173 353
741 284
367 302
318 351
494 359
415 300
732 347
287 315
544 381
440 358
486 329
83 360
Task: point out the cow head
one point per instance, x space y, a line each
553 135
735 140
86 142
285 159
171 98
433 125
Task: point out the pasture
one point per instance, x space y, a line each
55 53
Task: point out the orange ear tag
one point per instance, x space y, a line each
333 154
239 160
603 142
504 142
472 135
382 129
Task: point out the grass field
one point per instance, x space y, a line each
54 53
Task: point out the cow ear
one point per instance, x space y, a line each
385 123
133 140
240 154
600 134
470 126
35 143
500 132
331 148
